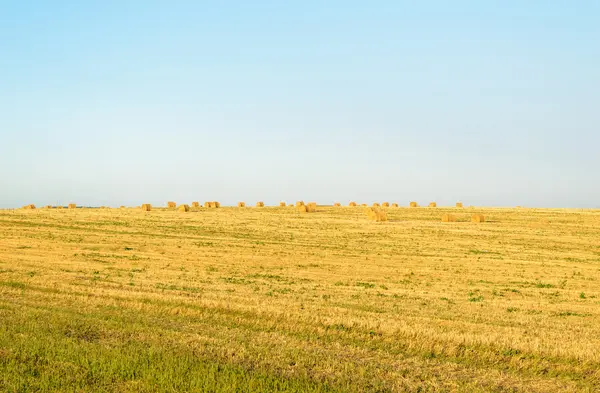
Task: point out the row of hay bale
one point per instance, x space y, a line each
32 206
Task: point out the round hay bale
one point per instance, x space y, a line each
394 205
385 204
352 204
432 204
414 204
260 204
195 204
448 218
459 204
337 204
376 214
241 204
146 207
184 208
477 218
299 203
281 204
171 205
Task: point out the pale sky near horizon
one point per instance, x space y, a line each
111 102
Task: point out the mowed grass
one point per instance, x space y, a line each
235 300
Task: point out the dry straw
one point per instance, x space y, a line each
432 204
72 206
208 204
337 204
448 218
29 207
310 208
459 204
477 218
146 207
385 204
352 204
59 206
48 206
241 204
216 204
281 204
195 204
184 208
363 204
171 205
376 214
414 204
394 205
122 207
260 204
299 203
313 205
376 204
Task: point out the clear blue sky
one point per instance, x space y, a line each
124 102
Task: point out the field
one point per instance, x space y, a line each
267 299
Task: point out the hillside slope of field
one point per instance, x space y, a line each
267 299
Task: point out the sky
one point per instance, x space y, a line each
493 103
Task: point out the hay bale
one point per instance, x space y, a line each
376 214
337 204
48 206
394 205
59 207
208 204
29 207
260 204
72 206
376 204
282 204
363 204
385 204
459 204
146 207
352 204
122 207
448 218
414 204
432 204
477 218
216 204
184 208
299 203
241 204
195 204
171 205
310 208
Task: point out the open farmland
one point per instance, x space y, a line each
247 299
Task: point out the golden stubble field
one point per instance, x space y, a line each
267 299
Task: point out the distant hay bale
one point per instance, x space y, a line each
352 204
385 204
477 218
216 204
122 207
432 204
184 208
310 208
459 204
299 203
208 204
59 206
414 204
281 204
376 214
394 205
29 207
171 205
337 204
241 204
48 206
448 218
146 207
363 204
260 204
195 204
72 206
376 204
